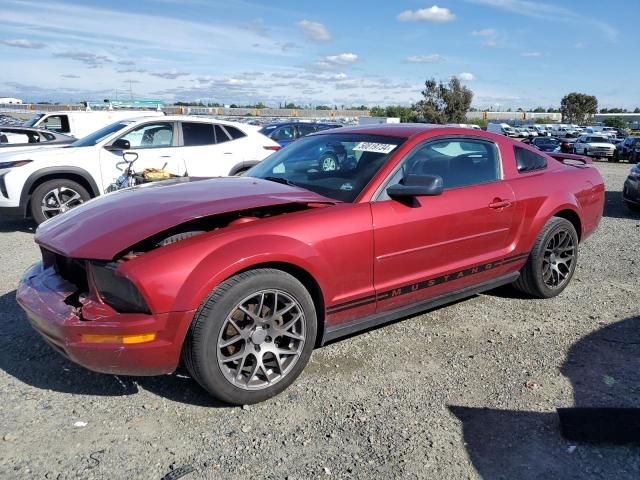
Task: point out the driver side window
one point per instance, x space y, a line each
151 135
460 162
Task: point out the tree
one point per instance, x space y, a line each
292 106
444 103
578 107
539 110
636 110
615 122
323 107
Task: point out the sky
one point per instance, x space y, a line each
511 53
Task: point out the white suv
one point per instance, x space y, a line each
46 182
594 146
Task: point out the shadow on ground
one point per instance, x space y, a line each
17 224
614 206
604 371
25 356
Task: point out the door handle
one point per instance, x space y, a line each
228 153
165 156
499 203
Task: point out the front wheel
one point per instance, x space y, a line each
328 163
252 337
54 197
552 260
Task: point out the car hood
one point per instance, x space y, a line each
37 153
106 226
601 144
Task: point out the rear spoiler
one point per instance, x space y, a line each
571 159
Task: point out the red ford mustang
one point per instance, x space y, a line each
340 231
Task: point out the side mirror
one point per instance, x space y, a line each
416 186
119 144
129 157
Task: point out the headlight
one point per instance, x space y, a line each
18 163
116 291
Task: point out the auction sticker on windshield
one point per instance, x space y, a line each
374 147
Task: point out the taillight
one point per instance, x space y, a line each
274 148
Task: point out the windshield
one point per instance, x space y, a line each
337 166
597 140
33 120
96 137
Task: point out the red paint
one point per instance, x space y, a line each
352 251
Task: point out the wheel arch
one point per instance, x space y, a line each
37 178
572 216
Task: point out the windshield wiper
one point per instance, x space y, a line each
282 180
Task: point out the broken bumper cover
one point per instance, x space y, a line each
42 294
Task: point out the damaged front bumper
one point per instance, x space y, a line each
71 325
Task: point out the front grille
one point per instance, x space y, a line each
71 269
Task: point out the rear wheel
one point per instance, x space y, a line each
252 337
54 197
552 260
632 206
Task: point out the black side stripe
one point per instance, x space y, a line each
421 285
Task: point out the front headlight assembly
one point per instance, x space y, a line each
116 291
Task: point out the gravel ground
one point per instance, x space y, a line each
464 391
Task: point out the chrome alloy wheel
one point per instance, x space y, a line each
261 339
557 262
329 164
59 200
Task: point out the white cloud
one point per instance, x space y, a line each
342 59
432 14
314 31
433 58
22 43
546 11
466 76
171 75
490 36
531 54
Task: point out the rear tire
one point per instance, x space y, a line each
633 207
238 350
552 260
54 197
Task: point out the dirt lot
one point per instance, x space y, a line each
465 391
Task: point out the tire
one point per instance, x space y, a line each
219 364
54 197
532 279
328 163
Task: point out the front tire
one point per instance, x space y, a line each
552 260
54 197
252 337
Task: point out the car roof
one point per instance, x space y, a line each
281 124
401 130
183 118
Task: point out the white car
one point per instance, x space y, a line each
594 146
46 182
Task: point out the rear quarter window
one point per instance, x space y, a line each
528 161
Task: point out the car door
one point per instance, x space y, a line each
439 244
155 144
209 150
580 145
305 129
284 135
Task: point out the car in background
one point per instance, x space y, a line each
503 129
545 144
285 133
628 149
242 277
16 138
631 189
593 145
81 123
541 130
566 145
46 182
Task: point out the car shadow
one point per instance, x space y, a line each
614 206
29 359
17 224
604 370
